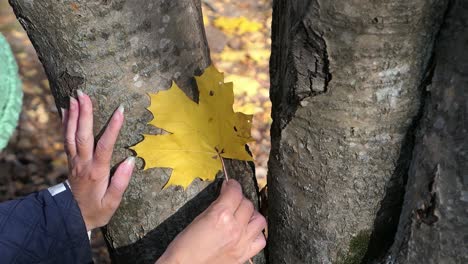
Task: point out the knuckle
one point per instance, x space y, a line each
262 242
69 140
82 171
238 195
234 236
74 162
82 140
229 226
224 218
102 147
73 173
97 172
117 188
225 215
262 220
249 204
94 177
113 202
236 185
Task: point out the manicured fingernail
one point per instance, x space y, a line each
73 102
130 160
79 93
121 109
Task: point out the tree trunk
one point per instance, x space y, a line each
346 86
117 51
433 225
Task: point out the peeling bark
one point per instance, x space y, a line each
346 91
117 51
433 225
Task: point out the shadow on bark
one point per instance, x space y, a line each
150 247
388 216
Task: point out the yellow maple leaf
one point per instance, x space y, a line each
200 134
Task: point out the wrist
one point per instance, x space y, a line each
88 224
85 220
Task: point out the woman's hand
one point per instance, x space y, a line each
228 232
89 166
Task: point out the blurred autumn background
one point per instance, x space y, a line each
238 34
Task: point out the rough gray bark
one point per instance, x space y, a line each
434 221
346 79
117 51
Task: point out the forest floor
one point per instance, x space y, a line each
238 33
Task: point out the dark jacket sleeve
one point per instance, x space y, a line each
44 227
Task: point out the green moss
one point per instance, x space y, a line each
357 249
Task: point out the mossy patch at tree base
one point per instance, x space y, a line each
357 249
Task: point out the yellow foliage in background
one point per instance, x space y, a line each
237 25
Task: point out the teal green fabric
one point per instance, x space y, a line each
11 95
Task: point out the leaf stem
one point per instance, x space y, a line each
224 168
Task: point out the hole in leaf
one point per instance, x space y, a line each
211 93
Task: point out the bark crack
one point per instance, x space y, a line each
426 213
310 62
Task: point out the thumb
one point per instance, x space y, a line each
118 185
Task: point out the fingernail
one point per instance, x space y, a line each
73 102
121 109
79 93
130 160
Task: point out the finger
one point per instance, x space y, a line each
257 245
71 126
244 212
84 134
256 225
105 145
118 184
231 195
